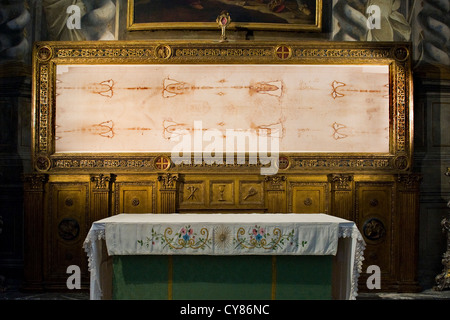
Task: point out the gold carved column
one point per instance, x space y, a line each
276 193
341 195
167 193
101 186
34 191
408 230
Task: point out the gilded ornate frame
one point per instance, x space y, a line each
133 26
47 55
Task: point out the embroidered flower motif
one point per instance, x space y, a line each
259 238
258 233
186 233
183 239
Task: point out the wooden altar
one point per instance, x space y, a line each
224 256
107 117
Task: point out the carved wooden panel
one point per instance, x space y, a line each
276 193
34 229
309 197
342 195
135 198
193 194
374 208
66 229
251 193
222 192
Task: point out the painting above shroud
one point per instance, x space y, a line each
280 15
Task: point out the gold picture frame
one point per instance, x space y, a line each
279 15
49 57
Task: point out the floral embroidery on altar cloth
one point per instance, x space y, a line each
259 237
184 238
223 238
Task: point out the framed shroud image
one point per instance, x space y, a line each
124 105
222 127
280 15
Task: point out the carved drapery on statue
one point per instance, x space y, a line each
14 18
76 20
443 279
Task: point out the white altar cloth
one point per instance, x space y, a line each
228 234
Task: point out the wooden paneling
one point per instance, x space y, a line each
374 216
135 198
67 227
309 197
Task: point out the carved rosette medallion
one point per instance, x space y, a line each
135 202
283 52
162 163
373 229
401 53
401 163
163 51
68 202
283 163
42 163
68 229
44 53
